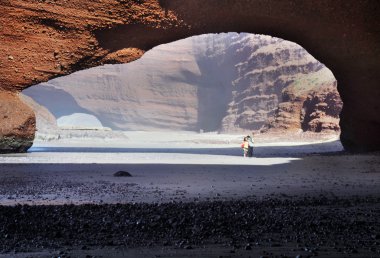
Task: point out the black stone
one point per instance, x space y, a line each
122 174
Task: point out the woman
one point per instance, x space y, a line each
245 147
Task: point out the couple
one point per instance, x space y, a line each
247 146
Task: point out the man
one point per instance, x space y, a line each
250 145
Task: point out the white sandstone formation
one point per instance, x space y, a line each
212 82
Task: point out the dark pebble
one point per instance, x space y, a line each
122 174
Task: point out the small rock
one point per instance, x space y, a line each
122 173
10 58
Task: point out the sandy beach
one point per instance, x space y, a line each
191 172
179 167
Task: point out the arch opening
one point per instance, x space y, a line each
225 83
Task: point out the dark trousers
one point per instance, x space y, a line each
250 151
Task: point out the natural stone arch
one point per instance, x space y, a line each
44 39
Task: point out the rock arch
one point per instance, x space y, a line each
43 39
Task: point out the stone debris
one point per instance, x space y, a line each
122 174
311 225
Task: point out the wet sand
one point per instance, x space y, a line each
165 175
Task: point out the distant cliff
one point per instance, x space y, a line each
214 82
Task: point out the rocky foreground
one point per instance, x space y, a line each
307 226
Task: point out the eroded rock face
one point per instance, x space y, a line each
321 110
214 82
44 119
272 81
17 122
309 104
41 40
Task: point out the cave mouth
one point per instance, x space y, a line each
228 83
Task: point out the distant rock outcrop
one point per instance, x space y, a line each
273 80
321 110
79 121
214 82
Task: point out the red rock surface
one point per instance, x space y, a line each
315 110
321 110
17 122
44 39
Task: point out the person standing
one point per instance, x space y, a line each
245 147
250 145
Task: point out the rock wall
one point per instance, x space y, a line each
17 122
43 39
213 82
45 120
269 70
321 110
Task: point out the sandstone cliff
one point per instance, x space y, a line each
212 82
40 40
45 120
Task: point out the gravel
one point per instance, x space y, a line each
312 224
